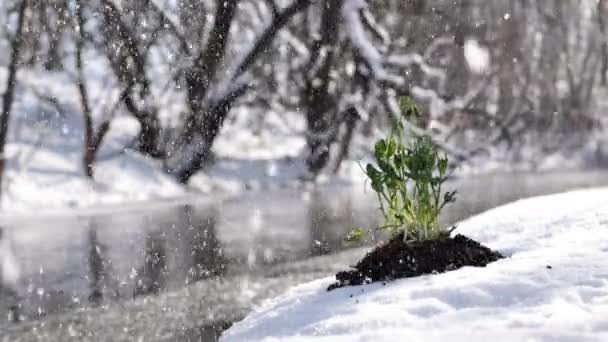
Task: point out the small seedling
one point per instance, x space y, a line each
407 177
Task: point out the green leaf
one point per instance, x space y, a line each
442 165
387 168
391 148
398 159
407 176
355 235
375 176
372 172
380 149
408 107
404 103
400 129
377 186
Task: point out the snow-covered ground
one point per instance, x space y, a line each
44 151
265 150
552 287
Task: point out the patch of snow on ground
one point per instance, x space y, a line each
256 150
45 149
477 56
266 149
515 299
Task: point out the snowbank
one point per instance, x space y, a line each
45 149
49 176
256 150
265 150
553 287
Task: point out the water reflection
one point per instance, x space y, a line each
180 252
101 259
329 219
206 254
8 276
102 283
151 277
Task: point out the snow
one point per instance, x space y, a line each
265 150
519 298
52 179
358 36
45 171
477 56
257 149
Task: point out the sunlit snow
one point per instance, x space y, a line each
477 56
553 286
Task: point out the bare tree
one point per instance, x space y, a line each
208 112
9 93
601 12
341 64
128 60
92 139
321 104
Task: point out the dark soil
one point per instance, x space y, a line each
398 259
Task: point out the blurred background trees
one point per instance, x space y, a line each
521 77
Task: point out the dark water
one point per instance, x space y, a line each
183 271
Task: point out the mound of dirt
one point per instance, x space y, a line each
398 259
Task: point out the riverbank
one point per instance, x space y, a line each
553 285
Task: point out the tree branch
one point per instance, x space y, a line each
172 26
115 23
262 44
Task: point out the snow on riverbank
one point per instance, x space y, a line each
553 287
48 175
45 149
257 149
265 150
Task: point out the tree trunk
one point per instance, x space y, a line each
549 63
92 140
458 73
204 121
9 94
321 114
207 115
129 65
148 141
211 121
602 27
509 52
351 117
53 59
90 145
204 70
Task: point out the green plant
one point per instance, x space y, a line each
408 179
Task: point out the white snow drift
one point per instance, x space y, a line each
477 56
553 287
44 150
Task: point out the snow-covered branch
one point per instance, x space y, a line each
352 12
